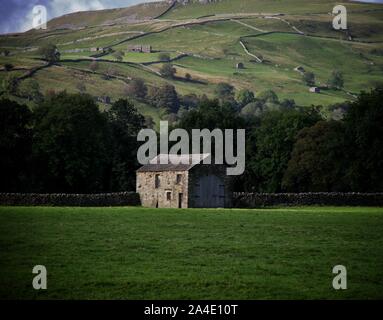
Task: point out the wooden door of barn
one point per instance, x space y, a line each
210 192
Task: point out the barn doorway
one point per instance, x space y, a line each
180 199
210 192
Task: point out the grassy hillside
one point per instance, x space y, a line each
320 56
213 47
137 253
197 9
112 16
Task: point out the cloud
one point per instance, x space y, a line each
59 7
17 14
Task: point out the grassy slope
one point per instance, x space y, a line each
59 78
137 253
320 56
196 9
125 70
90 18
220 40
284 52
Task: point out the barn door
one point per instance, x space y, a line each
210 192
180 199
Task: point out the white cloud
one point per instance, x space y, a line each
60 7
20 14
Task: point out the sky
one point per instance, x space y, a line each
16 15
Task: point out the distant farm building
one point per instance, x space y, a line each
314 90
73 50
96 49
104 99
240 66
140 48
178 185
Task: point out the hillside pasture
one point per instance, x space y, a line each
110 16
210 35
319 55
140 57
196 9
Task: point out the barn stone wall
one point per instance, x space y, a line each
157 197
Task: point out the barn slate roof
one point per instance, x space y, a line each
183 162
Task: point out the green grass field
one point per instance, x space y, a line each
137 253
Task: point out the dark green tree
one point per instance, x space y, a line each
309 79
190 101
8 66
71 144
30 89
164 97
168 71
336 80
288 103
245 96
253 109
15 146
275 138
49 52
268 96
224 91
10 84
125 123
210 114
318 162
6 52
364 133
136 88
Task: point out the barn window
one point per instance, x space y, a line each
178 179
168 195
157 181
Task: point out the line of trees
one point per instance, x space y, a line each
294 149
66 144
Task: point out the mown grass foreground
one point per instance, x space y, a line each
137 253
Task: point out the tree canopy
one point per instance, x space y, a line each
70 144
49 52
15 146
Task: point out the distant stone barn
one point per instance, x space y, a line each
139 48
314 90
194 185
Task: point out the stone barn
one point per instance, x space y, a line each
193 185
314 90
140 48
